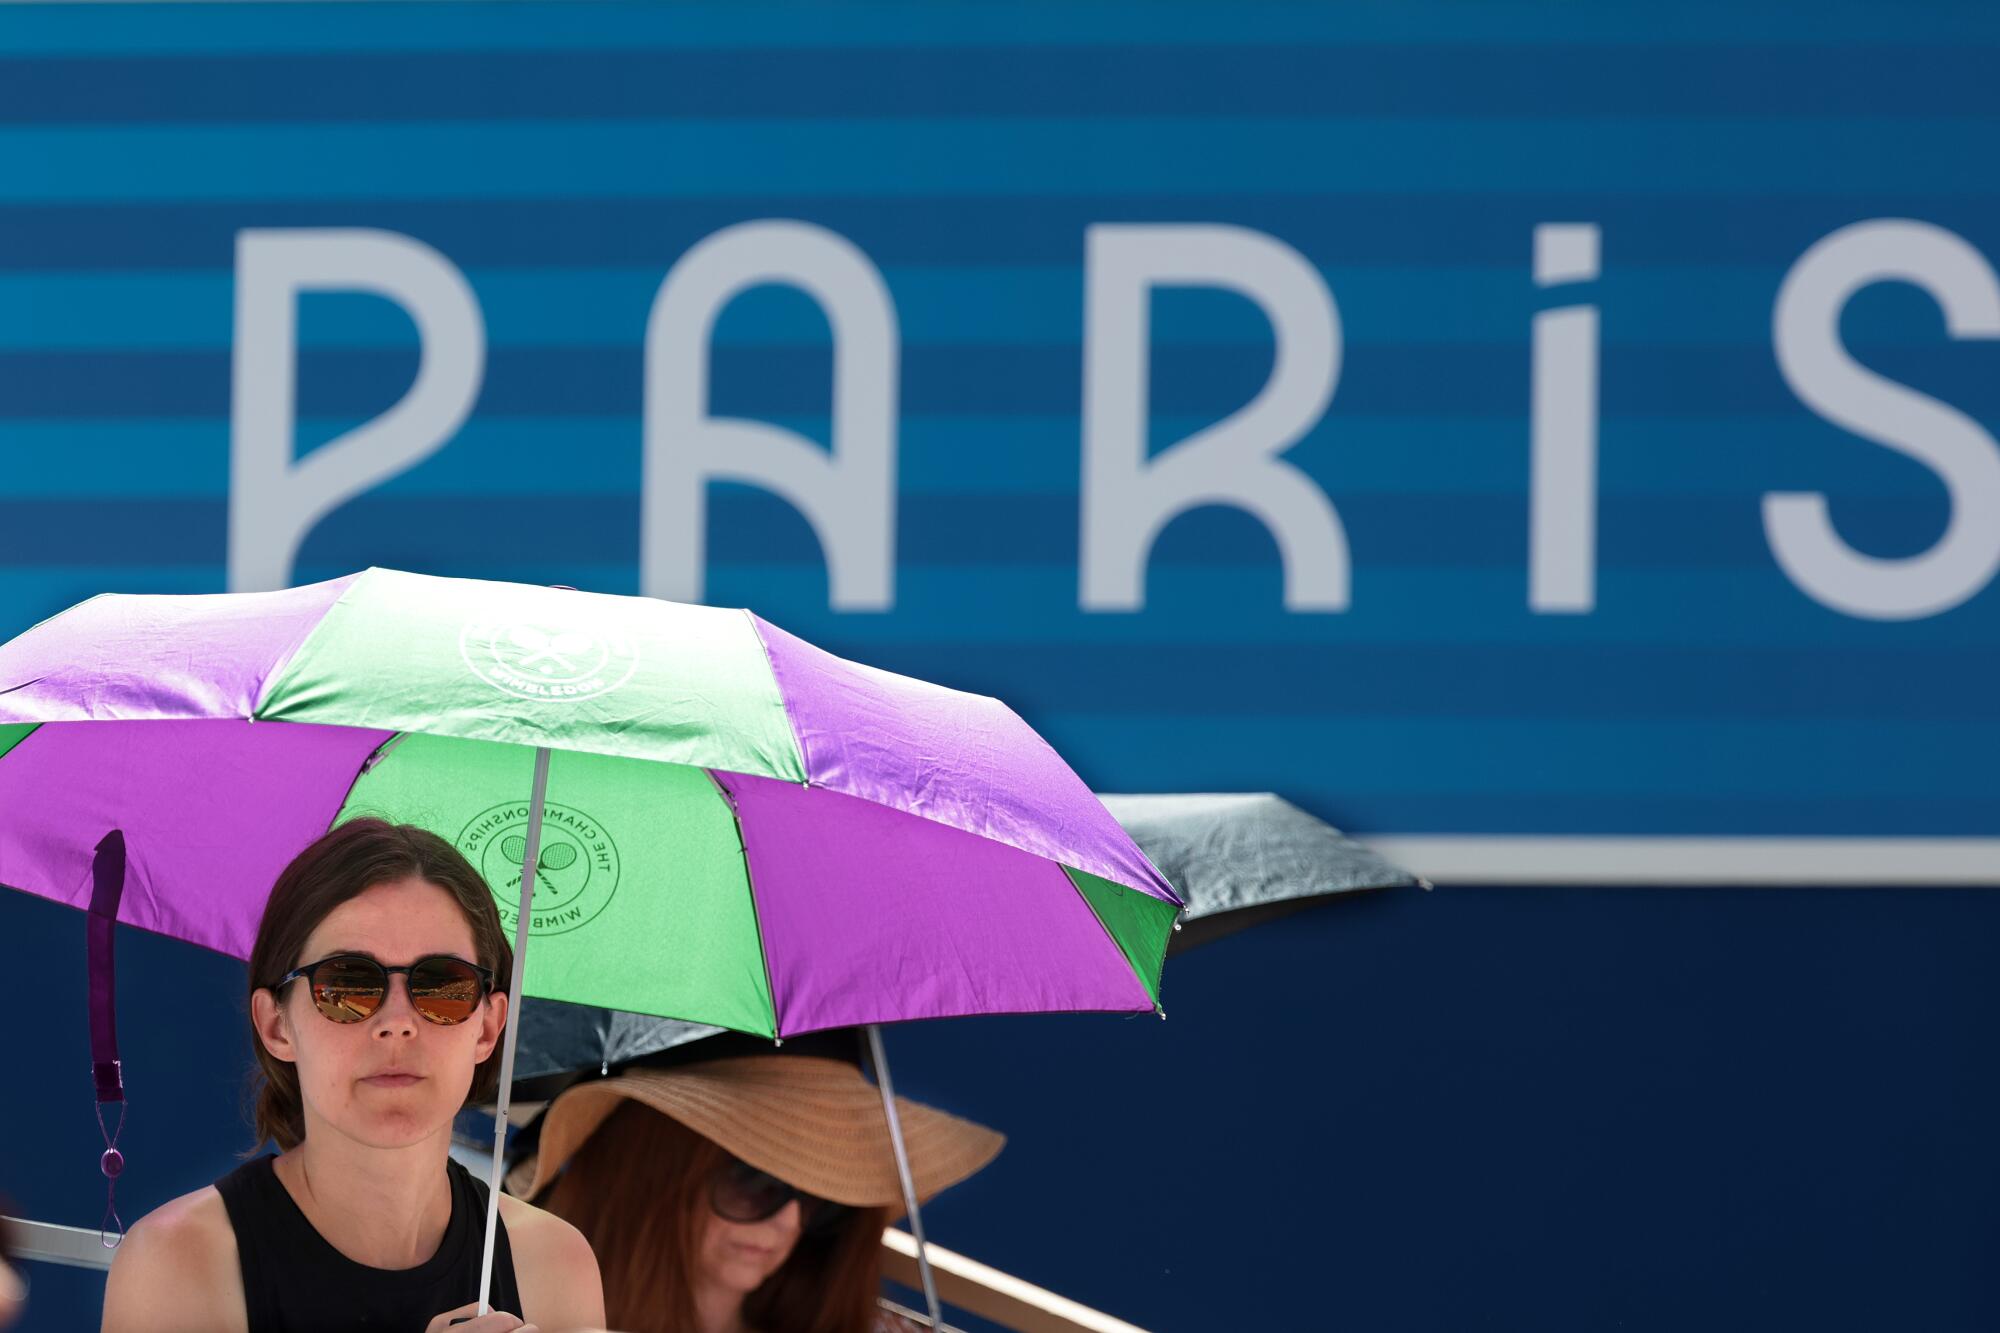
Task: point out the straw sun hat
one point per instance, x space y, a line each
814 1123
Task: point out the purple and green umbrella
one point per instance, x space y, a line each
740 829
734 827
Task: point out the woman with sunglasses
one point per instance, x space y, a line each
375 1019
740 1195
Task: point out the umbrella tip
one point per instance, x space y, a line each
1161 1010
777 1041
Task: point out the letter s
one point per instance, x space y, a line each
1805 331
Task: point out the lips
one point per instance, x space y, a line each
393 1080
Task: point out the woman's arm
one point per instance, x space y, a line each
176 1272
555 1269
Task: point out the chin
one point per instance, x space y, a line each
397 1127
746 1278
377 1133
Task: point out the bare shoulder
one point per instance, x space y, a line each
555 1268
176 1269
542 1233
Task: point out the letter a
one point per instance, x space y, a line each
847 495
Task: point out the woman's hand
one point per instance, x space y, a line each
497 1322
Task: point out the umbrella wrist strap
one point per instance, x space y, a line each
107 890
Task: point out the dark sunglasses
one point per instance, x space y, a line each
741 1193
349 987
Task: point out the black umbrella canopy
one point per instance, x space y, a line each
1242 858
1237 859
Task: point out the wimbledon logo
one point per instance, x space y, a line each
536 660
576 870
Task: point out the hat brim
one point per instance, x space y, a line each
814 1123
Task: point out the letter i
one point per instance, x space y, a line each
1562 563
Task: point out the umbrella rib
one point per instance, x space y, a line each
382 751
756 918
784 705
283 662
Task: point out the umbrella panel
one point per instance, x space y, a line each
641 899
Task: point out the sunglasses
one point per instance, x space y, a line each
742 1193
349 987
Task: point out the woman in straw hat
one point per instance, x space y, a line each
740 1195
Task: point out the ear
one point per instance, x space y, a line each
273 1025
492 1025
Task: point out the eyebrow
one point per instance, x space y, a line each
374 957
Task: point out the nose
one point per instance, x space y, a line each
396 1017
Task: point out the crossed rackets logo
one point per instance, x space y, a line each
556 856
576 867
543 661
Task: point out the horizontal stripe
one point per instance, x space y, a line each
1410 228
152 29
1736 459
1101 157
1698 861
1432 78
1446 608
751 527
1612 681
1679 382
994 606
1523 756
1012 305
1347 799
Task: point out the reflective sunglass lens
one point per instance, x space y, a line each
444 990
348 990
742 1193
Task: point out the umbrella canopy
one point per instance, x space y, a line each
739 829
1236 859
1240 858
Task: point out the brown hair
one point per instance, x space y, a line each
638 1191
342 864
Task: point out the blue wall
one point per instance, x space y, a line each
1558 1108
565 157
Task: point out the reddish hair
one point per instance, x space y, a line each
341 864
638 1191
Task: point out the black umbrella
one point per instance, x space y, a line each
1237 860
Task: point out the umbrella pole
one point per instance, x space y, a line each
878 1058
529 860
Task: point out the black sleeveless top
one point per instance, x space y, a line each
295 1282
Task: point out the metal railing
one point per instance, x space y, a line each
47 1243
991 1294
